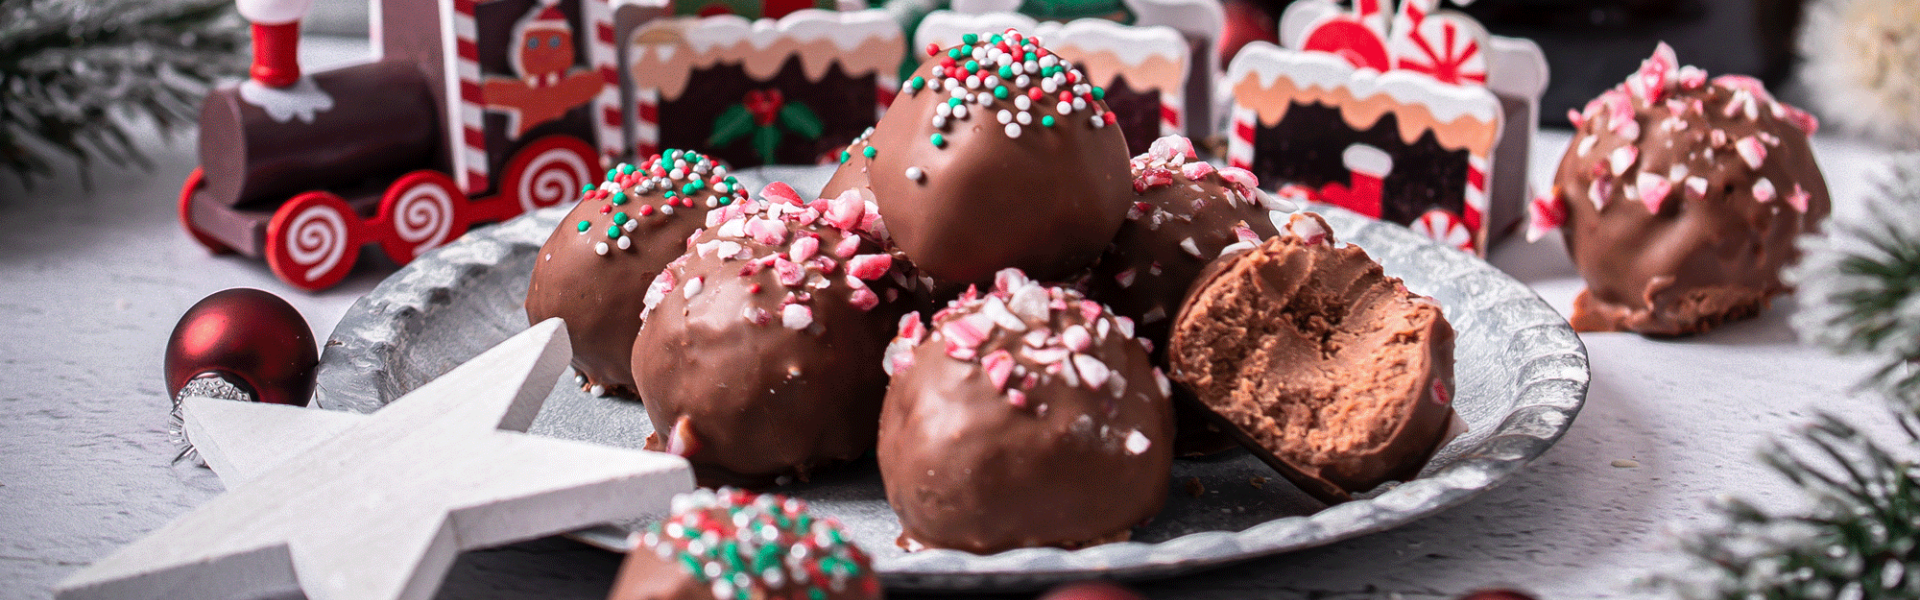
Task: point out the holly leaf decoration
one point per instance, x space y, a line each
732 124
802 120
765 141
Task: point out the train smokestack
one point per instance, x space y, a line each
276 39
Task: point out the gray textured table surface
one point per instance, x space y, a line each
92 281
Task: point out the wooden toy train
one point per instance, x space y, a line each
479 110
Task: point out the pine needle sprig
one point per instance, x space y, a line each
1859 536
1857 541
1860 284
75 74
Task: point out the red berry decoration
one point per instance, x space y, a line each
250 338
1092 590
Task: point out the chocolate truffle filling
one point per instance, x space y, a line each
1326 368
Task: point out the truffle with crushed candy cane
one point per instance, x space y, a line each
759 358
996 154
1319 363
731 544
1185 213
593 269
1023 415
1680 199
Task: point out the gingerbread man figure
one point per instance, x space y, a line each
548 85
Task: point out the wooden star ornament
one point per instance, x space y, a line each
340 506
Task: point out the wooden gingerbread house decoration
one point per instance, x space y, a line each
1391 114
473 112
765 91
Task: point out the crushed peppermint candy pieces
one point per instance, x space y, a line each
1673 130
826 248
1024 335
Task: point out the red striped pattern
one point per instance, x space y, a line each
1476 178
611 116
649 112
1170 116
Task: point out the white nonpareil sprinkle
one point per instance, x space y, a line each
1013 130
626 242
915 174
600 248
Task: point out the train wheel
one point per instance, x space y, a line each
311 242
1444 227
420 211
186 214
549 171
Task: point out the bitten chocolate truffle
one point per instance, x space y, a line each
760 354
1680 199
1024 416
594 270
734 545
1185 213
1327 369
995 154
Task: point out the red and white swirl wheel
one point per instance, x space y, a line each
420 211
311 242
1445 227
1449 47
550 171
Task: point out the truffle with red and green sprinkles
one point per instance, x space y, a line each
734 545
595 268
759 357
995 154
1023 416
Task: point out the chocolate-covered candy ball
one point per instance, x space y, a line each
1326 368
1680 199
1023 416
1185 213
760 354
734 545
594 270
995 154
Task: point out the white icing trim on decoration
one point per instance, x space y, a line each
974 7
1197 18
1367 160
944 27
1309 70
303 100
273 12
1133 44
1301 17
847 30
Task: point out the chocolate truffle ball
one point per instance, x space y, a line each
1680 199
1327 369
995 154
1185 214
760 354
594 270
1023 416
733 545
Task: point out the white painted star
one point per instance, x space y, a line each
343 506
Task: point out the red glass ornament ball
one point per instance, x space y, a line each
250 337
